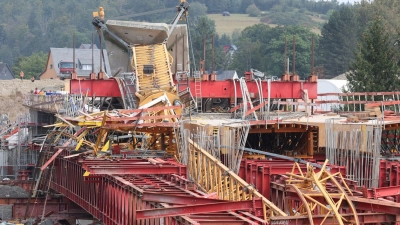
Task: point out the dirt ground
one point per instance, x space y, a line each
12 94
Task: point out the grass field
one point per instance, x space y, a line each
227 24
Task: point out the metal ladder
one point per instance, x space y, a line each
129 88
197 90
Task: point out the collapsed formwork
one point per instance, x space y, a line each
105 156
106 147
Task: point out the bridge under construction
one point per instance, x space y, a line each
153 143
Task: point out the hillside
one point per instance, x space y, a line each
227 24
12 94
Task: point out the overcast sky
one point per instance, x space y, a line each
346 1
350 1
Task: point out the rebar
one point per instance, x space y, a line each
357 147
225 141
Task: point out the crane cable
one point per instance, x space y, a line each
191 44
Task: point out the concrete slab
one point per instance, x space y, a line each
141 33
146 33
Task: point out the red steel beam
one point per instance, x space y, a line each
373 205
200 208
98 88
209 89
51 159
279 89
375 104
134 118
136 170
116 199
381 192
125 111
129 126
46 164
238 107
255 108
178 199
364 218
361 93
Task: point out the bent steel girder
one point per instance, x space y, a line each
314 197
215 178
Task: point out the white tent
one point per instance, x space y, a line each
330 86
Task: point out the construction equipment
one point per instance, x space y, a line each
150 64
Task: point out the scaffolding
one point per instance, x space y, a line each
66 104
15 150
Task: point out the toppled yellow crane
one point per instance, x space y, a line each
148 58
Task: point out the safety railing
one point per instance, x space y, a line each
44 102
60 104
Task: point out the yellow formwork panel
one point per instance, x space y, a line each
158 56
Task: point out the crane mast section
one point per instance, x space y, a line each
152 66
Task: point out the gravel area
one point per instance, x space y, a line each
5 212
13 192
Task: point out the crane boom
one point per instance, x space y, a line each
182 9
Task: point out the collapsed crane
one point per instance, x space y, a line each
150 65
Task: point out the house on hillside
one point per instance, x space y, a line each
88 46
230 49
5 72
60 63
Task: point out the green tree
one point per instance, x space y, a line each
224 40
245 4
338 42
200 28
32 66
247 56
236 33
234 6
375 67
197 9
262 47
252 10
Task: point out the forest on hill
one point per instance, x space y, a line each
30 28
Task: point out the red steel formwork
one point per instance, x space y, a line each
389 182
156 191
144 192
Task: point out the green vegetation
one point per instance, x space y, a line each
261 47
253 11
339 38
29 28
32 65
347 27
376 66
